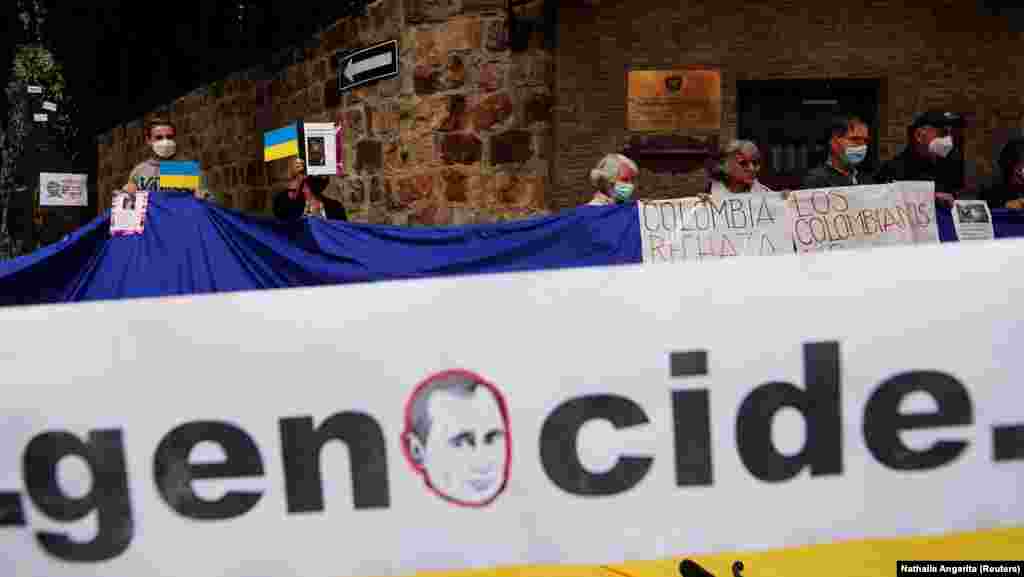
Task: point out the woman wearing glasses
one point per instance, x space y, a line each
736 170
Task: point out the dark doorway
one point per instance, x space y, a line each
789 121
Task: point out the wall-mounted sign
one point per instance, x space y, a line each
51 106
673 100
35 89
40 117
63 189
368 65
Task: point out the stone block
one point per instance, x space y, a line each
391 87
422 150
426 80
454 184
495 6
369 156
361 94
354 122
463 33
460 148
492 76
354 192
376 192
458 114
428 48
418 11
514 146
402 192
455 76
492 110
385 120
496 35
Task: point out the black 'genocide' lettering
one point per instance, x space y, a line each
819 405
108 496
301 446
174 474
883 421
559 455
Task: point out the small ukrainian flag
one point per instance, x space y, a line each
179 174
281 143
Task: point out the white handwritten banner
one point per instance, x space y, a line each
861 216
688 229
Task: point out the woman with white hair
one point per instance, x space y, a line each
613 180
736 170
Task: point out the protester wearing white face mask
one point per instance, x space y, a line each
613 180
146 174
928 156
848 148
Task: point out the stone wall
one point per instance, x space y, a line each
462 135
934 54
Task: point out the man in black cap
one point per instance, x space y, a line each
929 155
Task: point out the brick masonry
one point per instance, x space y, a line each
461 136
941 54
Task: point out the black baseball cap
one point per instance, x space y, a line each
938 119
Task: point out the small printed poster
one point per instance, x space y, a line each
63 189
972 220
128 213
321 149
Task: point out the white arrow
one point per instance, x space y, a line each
353 67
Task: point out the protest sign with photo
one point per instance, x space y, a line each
690 229
972 220
862 216
63 189
128 213
320 146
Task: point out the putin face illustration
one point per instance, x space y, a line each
457 437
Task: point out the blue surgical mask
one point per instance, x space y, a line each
856 154
623 191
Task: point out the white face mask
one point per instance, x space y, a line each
941 147
164 148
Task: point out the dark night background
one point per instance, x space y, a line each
122 59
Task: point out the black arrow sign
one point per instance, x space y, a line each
367 65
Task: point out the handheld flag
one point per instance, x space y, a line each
281 143
179 174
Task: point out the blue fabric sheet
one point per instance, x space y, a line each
192 247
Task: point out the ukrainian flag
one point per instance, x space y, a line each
179 174
281 143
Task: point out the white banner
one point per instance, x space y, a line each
862 216
599 415
63 189
690 229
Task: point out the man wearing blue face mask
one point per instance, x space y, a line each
929 156
614 180
848 147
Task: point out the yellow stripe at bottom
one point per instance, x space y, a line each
282 150
865 558
179 181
